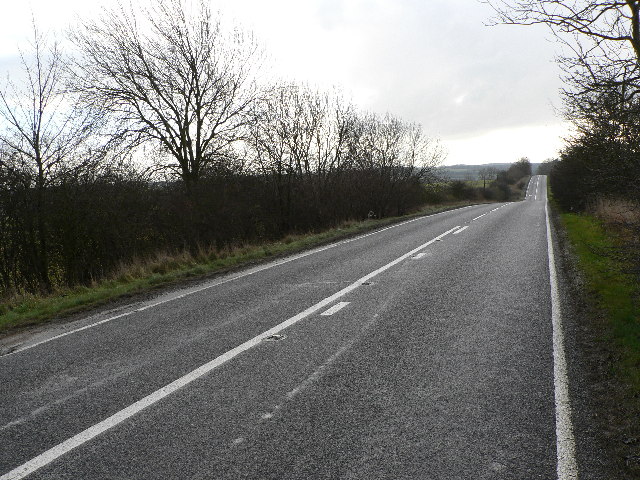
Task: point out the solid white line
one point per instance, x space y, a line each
461 230
227 280
336 308
565 442
479 216
119 417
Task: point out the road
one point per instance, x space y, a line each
424 350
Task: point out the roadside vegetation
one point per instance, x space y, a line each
614 288
107 221
162 268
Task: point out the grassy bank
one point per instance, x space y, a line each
164 270
614 292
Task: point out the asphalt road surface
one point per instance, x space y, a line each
426 350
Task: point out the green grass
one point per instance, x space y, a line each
616 293
477 183
164 270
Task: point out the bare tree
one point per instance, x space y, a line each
487 174
41 134
170 76
392 153
273 129
299 137
601 20
603 38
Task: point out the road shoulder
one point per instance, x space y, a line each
604 416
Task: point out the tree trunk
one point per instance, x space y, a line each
41 227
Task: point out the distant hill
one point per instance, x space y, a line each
470 172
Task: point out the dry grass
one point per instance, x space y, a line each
622 218
617 211
160 263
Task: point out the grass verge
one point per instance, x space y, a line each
615 293
164 270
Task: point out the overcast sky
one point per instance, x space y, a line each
487 92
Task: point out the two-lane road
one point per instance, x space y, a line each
423 350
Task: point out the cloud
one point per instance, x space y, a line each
432 62
419 57
506 145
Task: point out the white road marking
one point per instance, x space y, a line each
565 442
226 280
336 308
311 379
461 230
90 433
420 255
528 193
86 327
479 216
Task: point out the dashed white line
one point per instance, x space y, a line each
421 255
90 433
567 468
336 308
461 230
479 216
311 379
